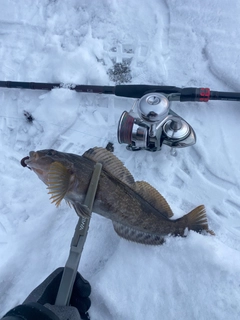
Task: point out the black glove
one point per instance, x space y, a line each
40 303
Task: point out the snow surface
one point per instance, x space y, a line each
181 43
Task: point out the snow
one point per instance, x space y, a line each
192 43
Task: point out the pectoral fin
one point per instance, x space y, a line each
58 182
136 235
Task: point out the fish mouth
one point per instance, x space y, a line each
32 156
38 163
23 162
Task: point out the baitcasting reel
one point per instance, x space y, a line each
151 123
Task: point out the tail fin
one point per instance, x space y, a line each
197 220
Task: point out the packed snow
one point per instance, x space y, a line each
179 43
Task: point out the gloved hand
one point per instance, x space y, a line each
40 303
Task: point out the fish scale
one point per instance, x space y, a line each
138 211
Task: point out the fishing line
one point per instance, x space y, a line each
50 123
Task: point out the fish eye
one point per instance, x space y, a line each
51 152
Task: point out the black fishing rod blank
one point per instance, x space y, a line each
131 91
49 86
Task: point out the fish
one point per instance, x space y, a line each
138 211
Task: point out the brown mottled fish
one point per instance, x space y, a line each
138 211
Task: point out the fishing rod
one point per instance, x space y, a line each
150 123
131 91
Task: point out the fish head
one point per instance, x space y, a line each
40 162
55 169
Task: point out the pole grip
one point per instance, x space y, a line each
139 90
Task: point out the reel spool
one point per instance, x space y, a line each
150 123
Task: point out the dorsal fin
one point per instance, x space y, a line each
110 164
152 196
